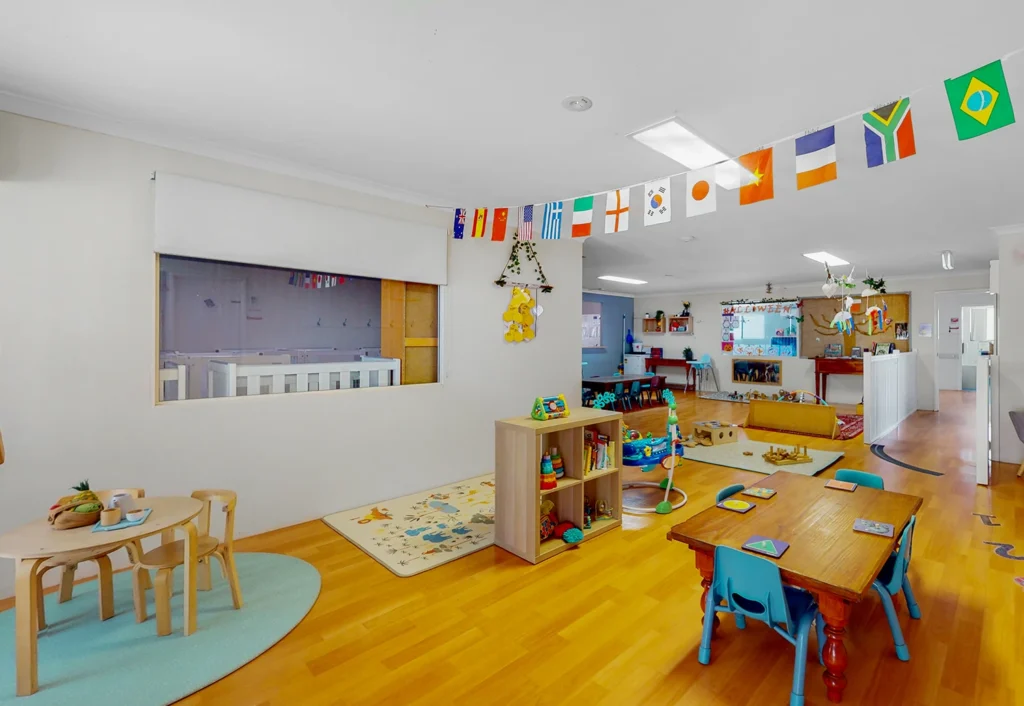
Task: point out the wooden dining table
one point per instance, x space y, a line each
32 544
825 555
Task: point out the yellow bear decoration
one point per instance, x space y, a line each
518 317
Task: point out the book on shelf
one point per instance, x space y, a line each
598 452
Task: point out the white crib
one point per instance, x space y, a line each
178 375
231 379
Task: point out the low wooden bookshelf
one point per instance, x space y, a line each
519 444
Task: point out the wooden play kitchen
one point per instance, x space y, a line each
32 545
519 446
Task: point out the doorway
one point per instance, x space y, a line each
965 329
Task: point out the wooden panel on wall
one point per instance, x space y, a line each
818 312
409 329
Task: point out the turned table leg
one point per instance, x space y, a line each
706 566
836 612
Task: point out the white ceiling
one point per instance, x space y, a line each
458 102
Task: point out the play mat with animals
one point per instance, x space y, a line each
417 532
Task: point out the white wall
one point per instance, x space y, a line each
798 373
76 392
1010 345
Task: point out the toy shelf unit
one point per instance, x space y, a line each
654 325
520 444
680 325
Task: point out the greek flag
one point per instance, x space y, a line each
552 228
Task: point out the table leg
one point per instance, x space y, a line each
191 569
105 582
817 384
706 566
824 385
26 626
836 612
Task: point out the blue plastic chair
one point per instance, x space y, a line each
634 394
861 478
751 586
728 491
620 395
891 579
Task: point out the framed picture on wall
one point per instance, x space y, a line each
902 332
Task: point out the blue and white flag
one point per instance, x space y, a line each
552 228
459 226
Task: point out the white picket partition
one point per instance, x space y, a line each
983 421
890 392
176 374
229 379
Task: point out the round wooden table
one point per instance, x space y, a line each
32 544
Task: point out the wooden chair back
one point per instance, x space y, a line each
106 495
227 498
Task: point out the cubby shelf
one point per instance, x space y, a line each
563 483
598 474
519 445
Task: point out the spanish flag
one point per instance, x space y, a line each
759 185
479 222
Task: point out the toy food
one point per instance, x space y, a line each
77 510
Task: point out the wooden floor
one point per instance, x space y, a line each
618 621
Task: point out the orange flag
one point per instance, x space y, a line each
759 185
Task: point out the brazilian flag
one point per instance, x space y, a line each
980 101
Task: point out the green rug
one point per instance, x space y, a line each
85 662
731 455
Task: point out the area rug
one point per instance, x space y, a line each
421 531
851 425
731 455
86 662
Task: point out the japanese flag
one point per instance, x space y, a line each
700 192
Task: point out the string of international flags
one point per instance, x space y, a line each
979 100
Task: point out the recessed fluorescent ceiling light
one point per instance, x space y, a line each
676 142
826 258
623 280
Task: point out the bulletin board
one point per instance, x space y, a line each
815 332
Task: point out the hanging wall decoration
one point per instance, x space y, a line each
314 280
519 320
514 266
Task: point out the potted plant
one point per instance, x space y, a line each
659 316
687 353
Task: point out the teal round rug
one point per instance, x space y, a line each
83 661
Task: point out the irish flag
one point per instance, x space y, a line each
582 216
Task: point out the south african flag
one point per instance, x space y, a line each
889 133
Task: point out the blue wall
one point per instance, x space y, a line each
606 360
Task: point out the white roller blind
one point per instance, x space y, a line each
216 222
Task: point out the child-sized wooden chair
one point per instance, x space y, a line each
752 586
890 580
68 564
166 557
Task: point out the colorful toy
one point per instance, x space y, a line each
568 533
556 463
548 519
647 453
548 481
545 408
783 457
603 400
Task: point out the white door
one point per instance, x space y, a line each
977 333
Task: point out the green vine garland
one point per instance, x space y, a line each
515 265
876 284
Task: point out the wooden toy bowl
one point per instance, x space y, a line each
64 517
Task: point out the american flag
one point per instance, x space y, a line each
526 222
552 229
